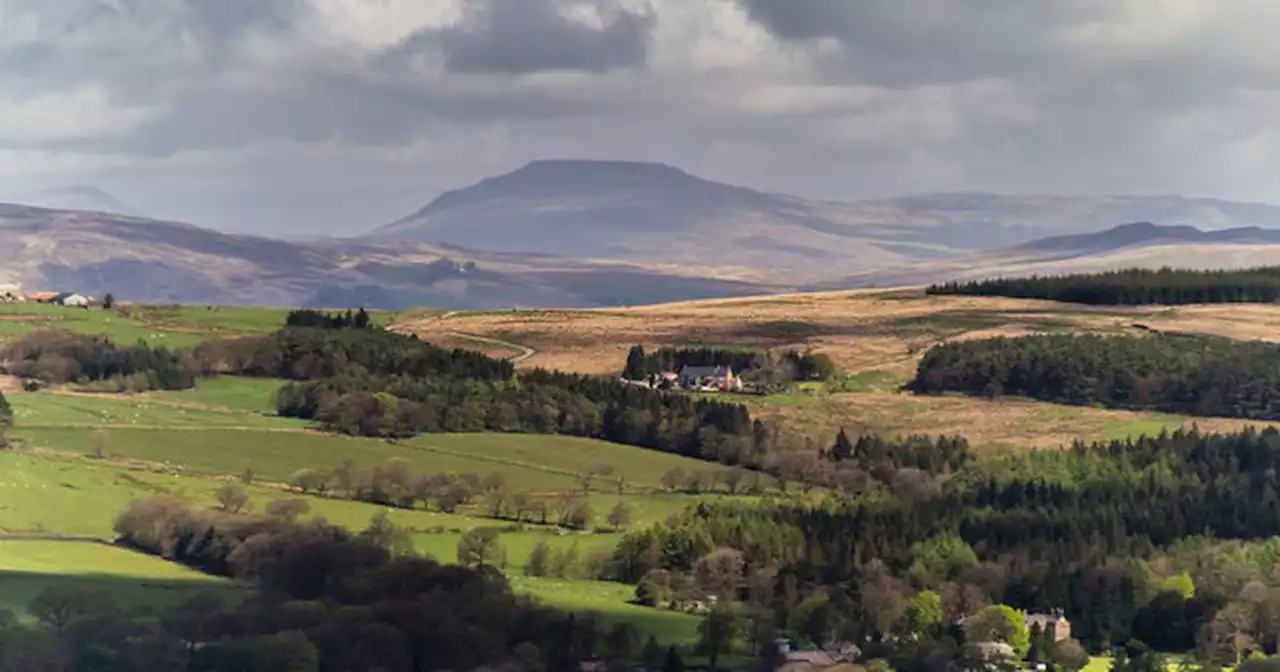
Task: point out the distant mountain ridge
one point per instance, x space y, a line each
655 212
1136 245
161 262
79 197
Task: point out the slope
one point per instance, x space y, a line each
152 261
1138 245
80 197
628 210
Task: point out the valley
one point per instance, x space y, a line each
78 457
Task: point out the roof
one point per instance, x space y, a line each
42 296
706 371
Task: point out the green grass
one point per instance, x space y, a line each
611 602
67 411
867 381
131 580
18 319
228 393
519 545
208 431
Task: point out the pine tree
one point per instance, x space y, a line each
635 364
843 448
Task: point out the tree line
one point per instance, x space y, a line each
791 365
306 317
540 402
324 599
1162 543
56 357
1132 287
1197 375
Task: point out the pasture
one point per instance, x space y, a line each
130 580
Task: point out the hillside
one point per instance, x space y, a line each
627 210
152 261
1137 245
81 197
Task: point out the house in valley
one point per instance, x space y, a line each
720 378
1053 623
41 297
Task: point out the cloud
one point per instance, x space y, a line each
326 109
518 37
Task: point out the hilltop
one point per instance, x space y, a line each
656 212
78 197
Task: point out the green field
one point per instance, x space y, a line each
207 430
129 579
612 602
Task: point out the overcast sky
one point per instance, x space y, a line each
334 116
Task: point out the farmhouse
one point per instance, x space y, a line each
71 300
1053 623
709 377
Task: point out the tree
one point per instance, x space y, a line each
620 515
57 606
480 547
6 420
651 655
109 301
309 480
622 640
287 509
635 368
717 633
720 571
732 478
842 449
383 533
1000 623
923 612
940 558
232 498
539 559
673 662
673 479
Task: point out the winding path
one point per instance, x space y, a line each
525 351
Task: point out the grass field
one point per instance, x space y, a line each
129 579
611 602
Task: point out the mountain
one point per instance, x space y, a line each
655 212
1136 245
154 261
87 198
643 211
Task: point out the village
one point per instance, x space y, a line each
13 293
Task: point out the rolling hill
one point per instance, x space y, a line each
1136 245
152 261
655 212
80 197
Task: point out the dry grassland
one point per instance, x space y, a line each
866 331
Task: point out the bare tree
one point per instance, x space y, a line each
620 515
287 509
232 498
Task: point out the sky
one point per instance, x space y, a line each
331 117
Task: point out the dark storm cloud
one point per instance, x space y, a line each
831 98
519 37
